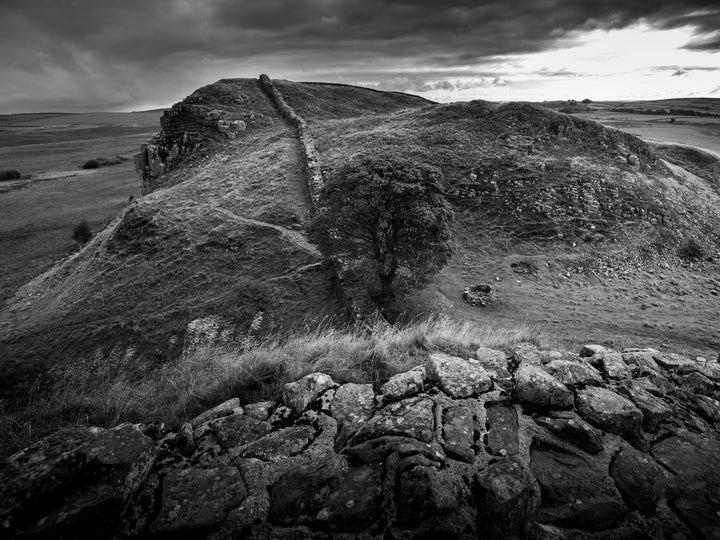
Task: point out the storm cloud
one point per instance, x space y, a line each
92 54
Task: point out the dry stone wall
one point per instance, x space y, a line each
361 308
313 174
525 443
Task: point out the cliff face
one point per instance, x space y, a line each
524 444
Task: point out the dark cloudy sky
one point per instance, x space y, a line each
133 54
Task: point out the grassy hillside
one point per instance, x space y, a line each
578 227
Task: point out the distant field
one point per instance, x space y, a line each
668 127
37 214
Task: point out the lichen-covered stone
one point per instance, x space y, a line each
458 378
610 411
280 444
402 385
502 438
527 354
197 498
298 395
353 405
696 383
299 496
653 409
569 426
573 373
504 498
574 495
75 482
536 388
224 409
237 430
458 433
260 410
412 417
636 475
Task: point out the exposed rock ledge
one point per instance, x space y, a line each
529 444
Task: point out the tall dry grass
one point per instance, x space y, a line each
104 395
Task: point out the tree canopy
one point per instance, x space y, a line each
387 215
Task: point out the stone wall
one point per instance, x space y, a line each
523 443
313 175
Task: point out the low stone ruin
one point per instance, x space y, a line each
524 444
480 295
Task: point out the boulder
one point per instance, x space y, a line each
226 408
74 483
237 430
493 361
636 475
538 389
574 495
412 417
280 444
357 503
502 438
676 361
260 410
194 499
503 495
458 433
610 411
353 405
528 354
402 385
643 359
609 361
456 377
425 492
573 373
653 409
696 383
298 395
299 496
569 426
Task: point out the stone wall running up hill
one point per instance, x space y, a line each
524 444
313 174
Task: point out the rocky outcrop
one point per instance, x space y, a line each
210 114
489 447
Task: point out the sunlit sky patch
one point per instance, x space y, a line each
74 55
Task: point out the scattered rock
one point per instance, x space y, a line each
458 378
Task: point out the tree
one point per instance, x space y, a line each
387 215
82 232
